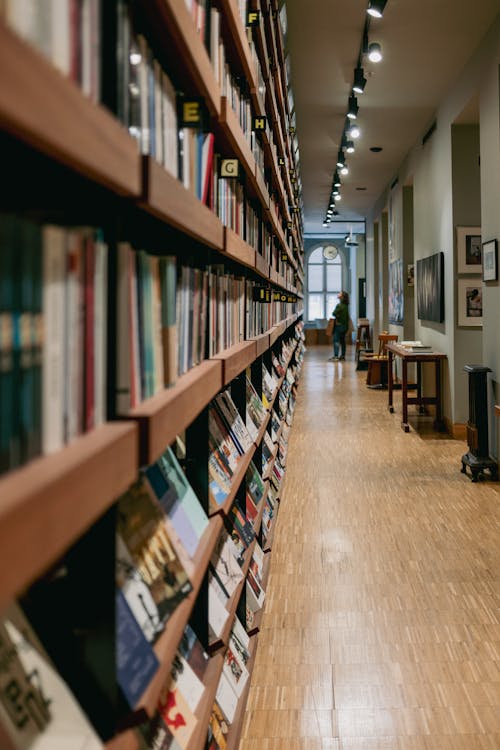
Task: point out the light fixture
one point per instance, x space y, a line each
336 193
354 131
374 52
340 159
376 8
336 180
339 197
352 112
344 170
325 224
359 81
350 147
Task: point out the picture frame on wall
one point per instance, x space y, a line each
469 250
490 260
470 302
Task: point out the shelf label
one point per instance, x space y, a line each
261 294
259 123
284 256
192 113
281 161
253 17
229 168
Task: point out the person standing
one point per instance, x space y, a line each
341 315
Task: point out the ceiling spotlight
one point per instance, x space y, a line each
359 81
340 159
339 197
354 131
336 193
376 8
352 112
336 180
335 213
344 170
325 224
350 147
374 53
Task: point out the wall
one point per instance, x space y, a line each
466 191
429 168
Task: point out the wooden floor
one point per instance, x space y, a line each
382 623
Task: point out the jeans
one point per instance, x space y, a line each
339 333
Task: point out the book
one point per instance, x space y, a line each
226 698
178 500
136 662
225 560
140 523
191 649
176 714
235 670
217 612
38 711
218 729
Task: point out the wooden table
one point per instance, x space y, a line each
407 356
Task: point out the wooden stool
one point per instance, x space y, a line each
376 377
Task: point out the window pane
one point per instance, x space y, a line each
331 303
315 278
315 306
334 277
316 256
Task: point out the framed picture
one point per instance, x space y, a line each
396 296
469 255
490 259
430 288
470 302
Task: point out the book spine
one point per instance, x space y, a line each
7 367
100 329
54 268
89 334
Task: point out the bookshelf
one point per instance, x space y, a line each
51 503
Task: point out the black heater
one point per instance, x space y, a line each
478 458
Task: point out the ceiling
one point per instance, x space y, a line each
425 44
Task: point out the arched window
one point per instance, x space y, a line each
324 282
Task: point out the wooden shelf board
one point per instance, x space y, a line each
262 429
50 502
258 102
497 410
262 343
238 33
261 188
233 736
166 197
162 417
192 50
126 741
261 266
238 249
236 138
232 604
236 359
168 642
211 680
270 466
273 275
49 112
277 331
237 479
261 44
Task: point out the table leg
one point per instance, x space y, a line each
421 407
390 381
404 394
438 424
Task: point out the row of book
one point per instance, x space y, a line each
53 337
158 529
171 319
66 32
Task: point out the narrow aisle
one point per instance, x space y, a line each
382 622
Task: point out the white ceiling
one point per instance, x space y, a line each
425 44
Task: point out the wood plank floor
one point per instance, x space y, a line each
382 622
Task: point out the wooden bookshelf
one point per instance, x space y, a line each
234 733
51 501
261 266
49 112
236 480
162 417
270 466
237 249
191 49
262 429
236 138
232 603
237 31
166 197
167 644
277 331
211 680
236 359
262 343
